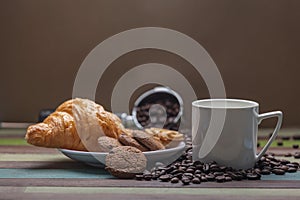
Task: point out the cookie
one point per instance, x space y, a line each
107 143
125 162
130 141
147 140
168 138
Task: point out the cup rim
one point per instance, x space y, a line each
247 103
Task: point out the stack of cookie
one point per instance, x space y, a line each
126 158
145 140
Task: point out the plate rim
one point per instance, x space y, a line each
180 146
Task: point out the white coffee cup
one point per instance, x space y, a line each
234 144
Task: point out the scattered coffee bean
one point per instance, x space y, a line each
253 176
139 177
295 164
285 137
185 181
284 167
210 177
279 143
190 170
284 162
292 170
296 137
165 178
218 173
220 179
196 181
203 179
292 165
187 171
297 155
258 144
273 163
288 155
278 171
175 180
295 146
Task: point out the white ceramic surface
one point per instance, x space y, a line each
97 159
236 144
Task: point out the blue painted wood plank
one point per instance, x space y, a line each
54 173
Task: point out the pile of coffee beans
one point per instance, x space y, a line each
186 171
171 108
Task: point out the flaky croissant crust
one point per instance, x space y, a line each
76 124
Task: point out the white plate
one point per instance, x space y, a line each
97 159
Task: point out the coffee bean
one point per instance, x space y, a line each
295 164
198 171
223 168
258 144
262 159
139 177
292 170
279 143
295 146
278 171
165 178
243 173
189 170
210 177
296 137
197 163
182 169
297 155
178 175
284 167
196 181
203 179
162 172
206 168
147 175
227 178
253 176
288 155
270 157
273 163
285 137
148 178
185 181
170 169
284 162
175 180
220 179
214 166
190 149
218 173
188 175
155 175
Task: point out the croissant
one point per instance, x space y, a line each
76 124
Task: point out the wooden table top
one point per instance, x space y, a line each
28 172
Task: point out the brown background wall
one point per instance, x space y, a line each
255 44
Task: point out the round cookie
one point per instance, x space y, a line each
129 141
147 140
125 162
107 143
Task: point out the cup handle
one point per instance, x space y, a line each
263 116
